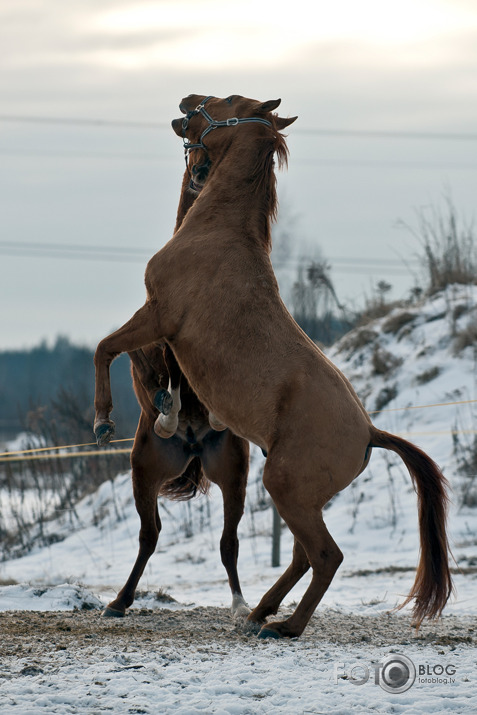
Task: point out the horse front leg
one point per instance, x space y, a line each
142 329
167 422
149 377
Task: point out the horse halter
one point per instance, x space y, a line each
213 124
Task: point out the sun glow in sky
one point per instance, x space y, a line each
221 33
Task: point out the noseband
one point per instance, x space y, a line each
212 124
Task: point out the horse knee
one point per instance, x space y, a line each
103 354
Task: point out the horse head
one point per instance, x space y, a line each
204 114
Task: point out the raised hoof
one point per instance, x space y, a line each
162 431
269 633
104 433
163 401
112 613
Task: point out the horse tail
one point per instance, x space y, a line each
433 583
193 481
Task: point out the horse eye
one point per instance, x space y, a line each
229 99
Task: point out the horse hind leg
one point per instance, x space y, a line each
148 536
325 557
228 468
297 499
270 602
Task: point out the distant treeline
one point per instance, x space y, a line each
33 379
58 380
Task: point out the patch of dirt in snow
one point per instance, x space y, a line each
34 637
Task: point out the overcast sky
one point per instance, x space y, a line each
386 94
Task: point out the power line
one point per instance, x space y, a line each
83 122
74 250
325 131
317 162
339 264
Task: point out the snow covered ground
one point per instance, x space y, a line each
410 358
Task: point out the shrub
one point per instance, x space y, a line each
395 322
428 375
466 337
384 362
449 248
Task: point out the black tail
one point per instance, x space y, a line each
433 584
191 482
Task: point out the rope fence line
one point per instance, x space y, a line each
68 455
423 407
62 446
16 456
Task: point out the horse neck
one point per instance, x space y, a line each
241 186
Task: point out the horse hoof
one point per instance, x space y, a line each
104 432
269 633
240 610
162 431
163 401
251 627
112 613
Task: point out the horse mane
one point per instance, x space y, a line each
264 180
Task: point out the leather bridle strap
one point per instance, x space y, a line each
213 124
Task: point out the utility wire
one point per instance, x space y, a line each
318 163
29 249
128 124
150 250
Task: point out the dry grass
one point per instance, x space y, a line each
466 337
449 248
395 322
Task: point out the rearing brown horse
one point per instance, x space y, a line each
213 296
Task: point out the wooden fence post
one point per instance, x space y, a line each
276 534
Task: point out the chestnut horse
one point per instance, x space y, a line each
185 457
213 296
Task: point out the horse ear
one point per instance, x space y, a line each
283 122
269 106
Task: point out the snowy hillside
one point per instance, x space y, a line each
414 356
195 660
